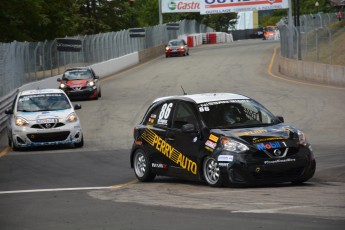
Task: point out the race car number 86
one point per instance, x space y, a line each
165 112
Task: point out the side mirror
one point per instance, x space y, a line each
77 106
189 128
9 111
96 77
59 79
280 118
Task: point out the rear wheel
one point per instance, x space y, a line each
212 173
142 166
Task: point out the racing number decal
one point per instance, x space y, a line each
164 114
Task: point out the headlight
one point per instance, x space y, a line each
72 117
233 146
91 83
21 121
302 138
62 86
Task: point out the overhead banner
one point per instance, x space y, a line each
228 6
180 6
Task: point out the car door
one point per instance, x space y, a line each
156 124
187 144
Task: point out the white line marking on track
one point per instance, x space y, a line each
270 210
69 189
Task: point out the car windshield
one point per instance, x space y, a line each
175 43
79 74
235 114
43 102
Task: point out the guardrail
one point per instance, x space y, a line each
5 103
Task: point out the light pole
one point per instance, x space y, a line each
131 2
317 6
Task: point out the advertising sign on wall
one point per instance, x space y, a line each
228 6
180 6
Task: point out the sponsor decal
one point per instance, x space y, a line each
268 139
153 116
159 165
177 6
228 158
223 164
211 144
279 161
213 138
269 145
254 132
209 149
170 152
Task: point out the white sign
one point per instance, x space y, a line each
228 6
180 6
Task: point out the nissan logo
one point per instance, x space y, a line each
277 152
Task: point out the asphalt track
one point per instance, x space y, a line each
94 187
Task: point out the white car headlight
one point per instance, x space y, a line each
62 86
21 121
72 117
91 83
302 138
233 146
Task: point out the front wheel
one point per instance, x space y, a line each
142 166
212 173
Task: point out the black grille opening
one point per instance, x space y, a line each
267 175
48 137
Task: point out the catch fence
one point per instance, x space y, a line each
316 39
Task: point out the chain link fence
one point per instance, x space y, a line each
316 39
24 62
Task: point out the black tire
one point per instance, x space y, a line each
211 172
13 145
307 176
80 144
100 93
142 168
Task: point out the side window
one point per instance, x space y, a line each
160 115
183 115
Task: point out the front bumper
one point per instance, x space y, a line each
85 93
248 169
24 137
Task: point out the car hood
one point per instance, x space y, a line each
32 116
256 136
77 83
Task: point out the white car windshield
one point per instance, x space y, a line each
43 102
235 114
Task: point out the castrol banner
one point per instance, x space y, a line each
180 6
228 6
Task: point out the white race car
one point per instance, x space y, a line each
41 118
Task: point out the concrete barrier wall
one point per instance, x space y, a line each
313 71
102 69
150 53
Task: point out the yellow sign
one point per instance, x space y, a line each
170 152
213 138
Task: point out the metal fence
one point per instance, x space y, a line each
314 40
24 62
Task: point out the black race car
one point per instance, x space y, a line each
221 138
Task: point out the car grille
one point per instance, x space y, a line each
47 125
269 154
48 137
272 175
